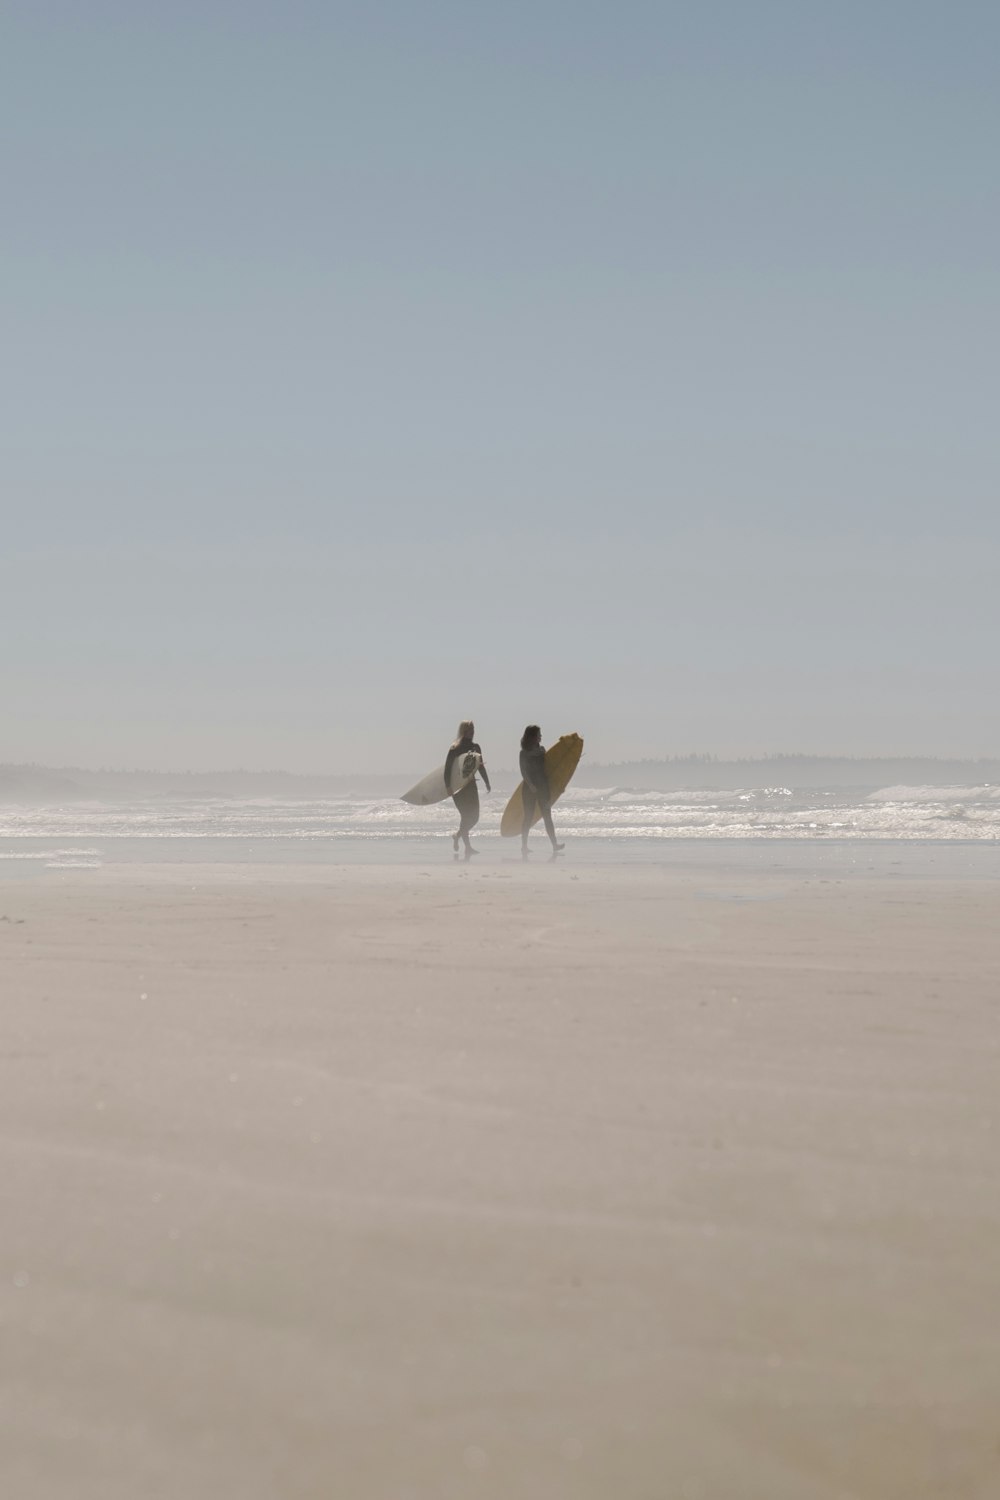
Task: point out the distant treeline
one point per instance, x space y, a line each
42 785
803 771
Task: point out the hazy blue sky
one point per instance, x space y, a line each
630 367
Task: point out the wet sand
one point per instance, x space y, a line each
403 1184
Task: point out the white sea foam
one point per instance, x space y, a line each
986 793
616 813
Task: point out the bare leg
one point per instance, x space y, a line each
467 803
550 829
529 802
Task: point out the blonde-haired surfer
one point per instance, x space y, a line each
467 799
536 792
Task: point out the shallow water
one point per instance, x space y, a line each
958 828
811 858
963 812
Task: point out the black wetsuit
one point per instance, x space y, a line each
536 795
466 800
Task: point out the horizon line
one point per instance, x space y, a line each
703 758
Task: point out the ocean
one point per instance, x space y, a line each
604 824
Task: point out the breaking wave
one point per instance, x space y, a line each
616 813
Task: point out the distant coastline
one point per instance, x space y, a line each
795 771
43 784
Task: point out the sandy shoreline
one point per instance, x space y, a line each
549 1183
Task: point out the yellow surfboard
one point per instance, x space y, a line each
561 760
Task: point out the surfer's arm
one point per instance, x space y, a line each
449 761
482 768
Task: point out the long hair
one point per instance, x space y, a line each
531 737
465 731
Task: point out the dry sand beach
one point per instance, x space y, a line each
557 1183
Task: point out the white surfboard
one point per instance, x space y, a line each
433 789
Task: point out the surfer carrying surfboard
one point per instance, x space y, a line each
467 798
536 793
